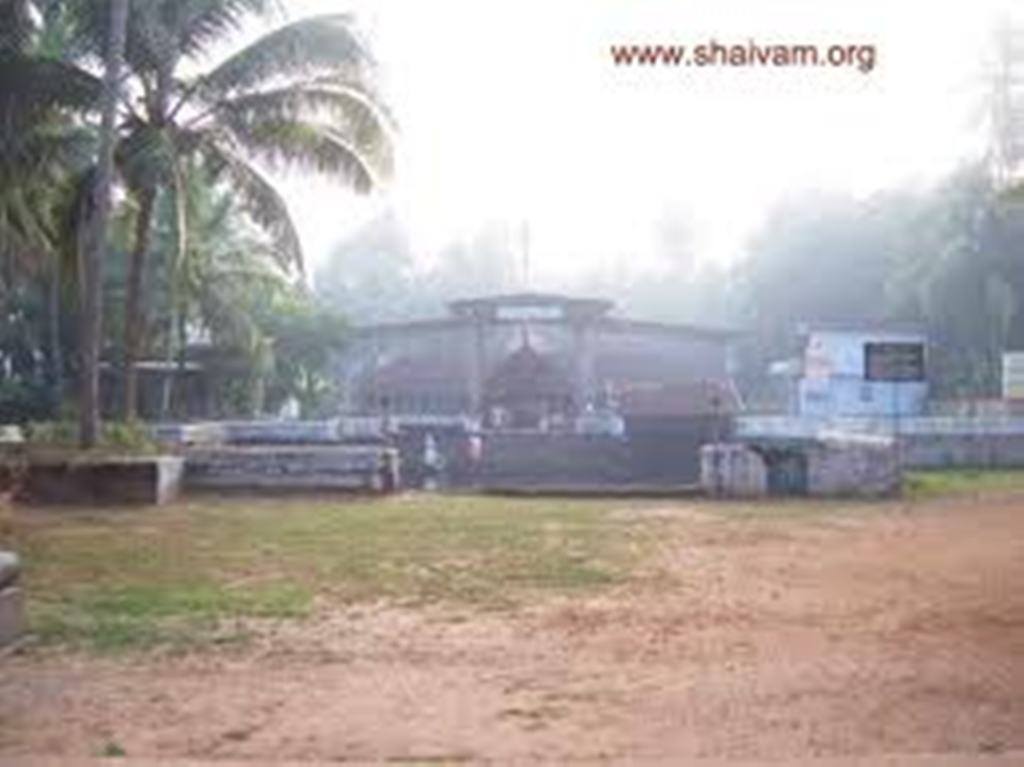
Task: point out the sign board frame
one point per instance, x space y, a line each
894 361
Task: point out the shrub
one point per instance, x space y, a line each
117 436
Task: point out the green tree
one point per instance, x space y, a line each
302 96
46 148
226 285
819 257
950 259
959 272
305 333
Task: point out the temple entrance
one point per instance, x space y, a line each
528 390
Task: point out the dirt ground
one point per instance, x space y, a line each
896 630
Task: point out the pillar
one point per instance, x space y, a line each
477 366
583 365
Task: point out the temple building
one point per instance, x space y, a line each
536 361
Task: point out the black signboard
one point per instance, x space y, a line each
894 361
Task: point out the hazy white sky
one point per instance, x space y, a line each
514 111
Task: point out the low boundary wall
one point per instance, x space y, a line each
88 479
527 459
926 442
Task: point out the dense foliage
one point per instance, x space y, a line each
950 259
202 264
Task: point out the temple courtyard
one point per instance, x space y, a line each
436 628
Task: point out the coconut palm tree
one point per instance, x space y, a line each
96 226
46 150
303 95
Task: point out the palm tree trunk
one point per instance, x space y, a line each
257 395
175 384
134 315
92 303
56 348
170 374
181 399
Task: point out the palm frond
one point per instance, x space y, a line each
35 169
157 28
17 28
47 154
24 236
58 37
308 47
31 85
337 100
282 144
201 23
330 127
363 87
259 199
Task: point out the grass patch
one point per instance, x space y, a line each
183 575
935 484
112 618
112 750
116 580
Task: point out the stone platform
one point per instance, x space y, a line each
70 478
827 464
370 468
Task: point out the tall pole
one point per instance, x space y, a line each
1005 100
96 232
896 424
525 234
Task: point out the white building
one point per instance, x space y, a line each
862 371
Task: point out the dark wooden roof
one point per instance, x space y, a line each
420 373
601 324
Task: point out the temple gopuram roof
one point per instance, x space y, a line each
526 370
546 309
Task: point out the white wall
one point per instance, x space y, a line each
834 383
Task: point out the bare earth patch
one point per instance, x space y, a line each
897 629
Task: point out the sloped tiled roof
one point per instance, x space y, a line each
704 397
